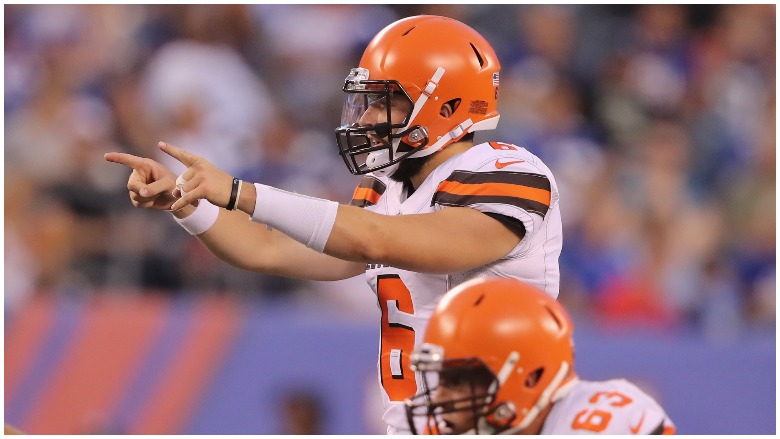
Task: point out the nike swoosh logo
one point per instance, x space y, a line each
500 164
635 429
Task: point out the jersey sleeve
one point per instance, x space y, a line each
518 193
368 192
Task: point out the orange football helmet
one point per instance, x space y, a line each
427 61
514 334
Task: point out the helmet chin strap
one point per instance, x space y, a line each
454 134
426 93
467 126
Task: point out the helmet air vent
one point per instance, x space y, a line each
479 300
407 32
555 318
476 52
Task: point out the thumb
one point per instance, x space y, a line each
156 188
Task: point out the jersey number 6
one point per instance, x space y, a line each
397 335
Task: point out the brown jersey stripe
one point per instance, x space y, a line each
447 199
538 181
368 192
540 196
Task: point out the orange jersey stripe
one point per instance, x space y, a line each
368 192
365 194
496 189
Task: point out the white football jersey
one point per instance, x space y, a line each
615 407
504 181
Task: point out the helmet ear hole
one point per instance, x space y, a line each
449 107
533 378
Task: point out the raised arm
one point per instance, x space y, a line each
450 240
233 238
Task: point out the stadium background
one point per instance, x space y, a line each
657 120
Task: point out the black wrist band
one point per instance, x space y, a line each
233 194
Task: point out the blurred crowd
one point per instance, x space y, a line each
657 120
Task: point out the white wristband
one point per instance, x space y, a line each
204 216
307 220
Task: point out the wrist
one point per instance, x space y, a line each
199 219
248 198
184 212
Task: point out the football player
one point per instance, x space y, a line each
498 358
432 211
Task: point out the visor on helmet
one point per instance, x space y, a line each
373 121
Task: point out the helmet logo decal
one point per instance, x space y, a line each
478 107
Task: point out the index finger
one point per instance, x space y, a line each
122 158
187 158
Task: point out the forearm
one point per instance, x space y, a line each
449 240
318 237
251 246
